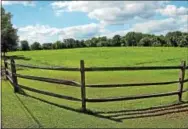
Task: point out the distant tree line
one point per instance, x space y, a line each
174 39
9 39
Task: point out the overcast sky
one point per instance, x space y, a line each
47 21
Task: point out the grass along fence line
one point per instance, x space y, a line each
11 75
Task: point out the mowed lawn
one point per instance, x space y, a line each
36 110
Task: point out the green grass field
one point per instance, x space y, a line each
38 110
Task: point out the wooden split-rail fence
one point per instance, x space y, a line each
12 76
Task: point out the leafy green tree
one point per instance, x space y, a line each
177 38
94 42
103 38
57 45
155 41
70 42
183 40
9 38
122 41
146 41
88 43
173 38
150 40
63 45
162 40
47 46
82 43
109 42
132 38
24 45
76 44
116 40
36 46
102 43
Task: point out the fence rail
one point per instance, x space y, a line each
88 69
131 97
50 80
12 77
128 85
133 84
132 68
49 93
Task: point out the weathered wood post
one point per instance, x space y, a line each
14 77
6 67
83 94
181 79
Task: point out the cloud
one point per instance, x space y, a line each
154 26
172 10
110 12
45 33
82 31
111 34
157 27
25 3
40 33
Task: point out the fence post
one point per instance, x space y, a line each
181 79
14 77
6 67
83 94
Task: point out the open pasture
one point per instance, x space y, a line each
109 114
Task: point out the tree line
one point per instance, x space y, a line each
10 42
174 39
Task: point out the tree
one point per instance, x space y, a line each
36 46
162 39
177 38
116 40
155 41
183 40
173 38
145 41
47 46
103 38
109 41
122 41
102 44
94 42
63 45
57 45
82 43
9 38
88 43
24 45
70 43
133 38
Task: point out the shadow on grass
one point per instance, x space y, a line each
17 57
148 112
120 115
69 108
24 106
30 113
